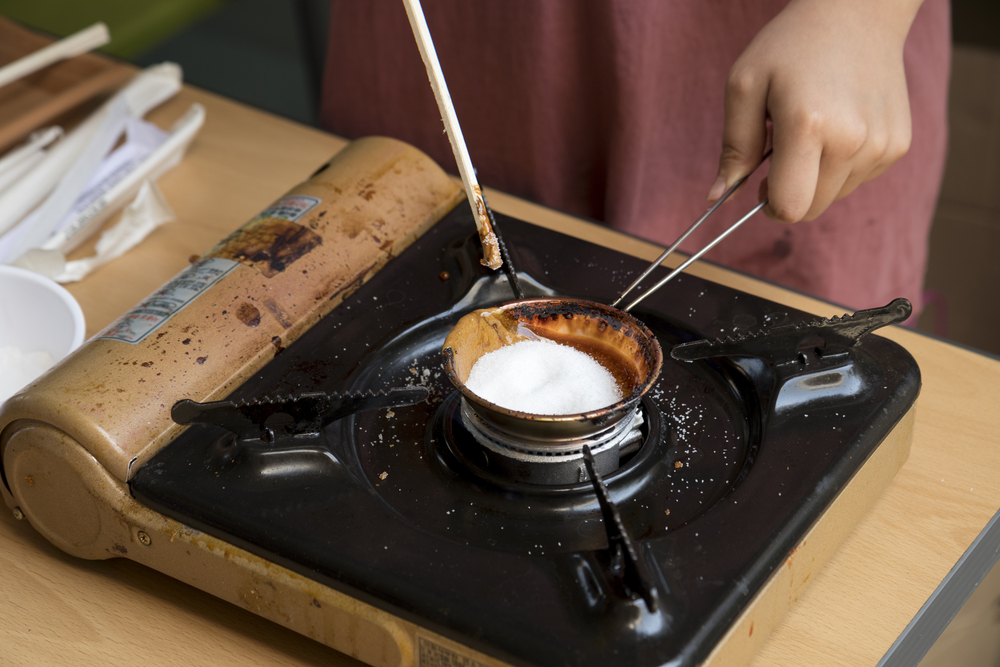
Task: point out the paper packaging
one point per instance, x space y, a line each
148 211
162 159
88 194
19 161
148 89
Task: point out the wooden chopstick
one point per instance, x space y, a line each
77 43
491 249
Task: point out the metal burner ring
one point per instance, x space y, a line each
550 461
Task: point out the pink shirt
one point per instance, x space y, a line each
612 110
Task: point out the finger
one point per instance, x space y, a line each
795 168
744 130
888 152
828 187
883 151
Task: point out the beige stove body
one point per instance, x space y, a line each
70 442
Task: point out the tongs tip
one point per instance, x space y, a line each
666 253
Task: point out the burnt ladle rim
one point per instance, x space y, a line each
601 415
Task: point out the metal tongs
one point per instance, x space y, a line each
666 253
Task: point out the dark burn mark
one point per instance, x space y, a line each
201 360
278 348
269 245
275 309
186 341
248 314
147 364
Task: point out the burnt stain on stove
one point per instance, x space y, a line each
278 347
279 313
354 225
248 314
268 245
315 220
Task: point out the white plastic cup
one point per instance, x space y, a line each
38 314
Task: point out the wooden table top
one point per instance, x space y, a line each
59 610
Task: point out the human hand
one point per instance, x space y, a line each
829 76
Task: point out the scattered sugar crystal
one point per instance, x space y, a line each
18 368
544 378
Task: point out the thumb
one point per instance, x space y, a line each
744 131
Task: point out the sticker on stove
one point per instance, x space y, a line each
432 654
164 303
290 207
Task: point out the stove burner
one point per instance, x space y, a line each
551 461
548 449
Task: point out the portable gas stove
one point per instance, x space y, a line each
341 490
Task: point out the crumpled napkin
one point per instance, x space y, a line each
147 211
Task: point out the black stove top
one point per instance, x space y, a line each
393 508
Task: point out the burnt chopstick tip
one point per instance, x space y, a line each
491 250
